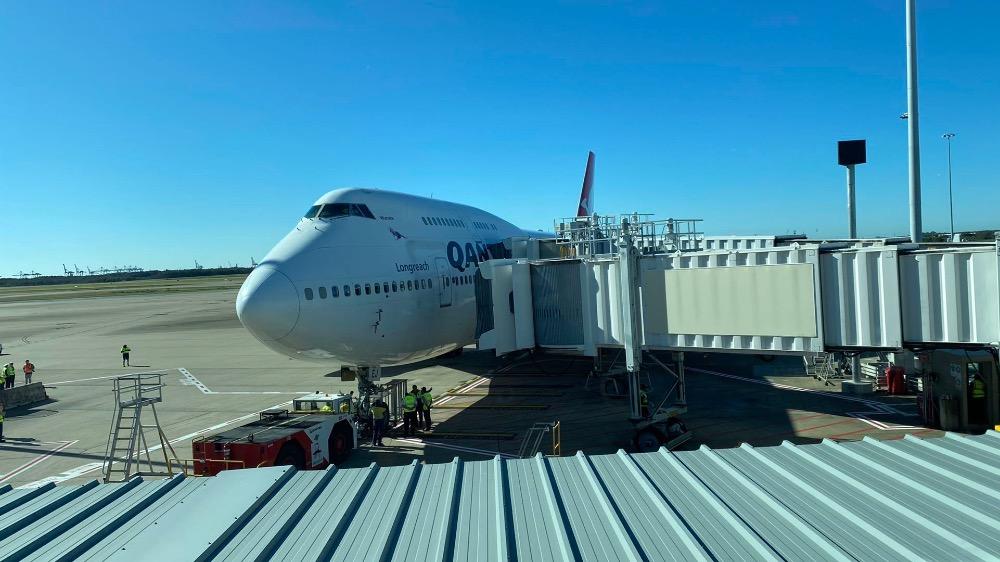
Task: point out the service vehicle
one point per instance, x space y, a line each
320 430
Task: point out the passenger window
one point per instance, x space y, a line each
409 285
357 289
423 285
312 211
347 290
430 284
378 288
309 294
393 286
368 288
334 291
322 292
385 287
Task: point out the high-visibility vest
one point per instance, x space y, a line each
125 349
428 399
978 389
1 418
326 408
378 412
409 403
643 398
345 407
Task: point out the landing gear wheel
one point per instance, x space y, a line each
291 454
647 441
341 443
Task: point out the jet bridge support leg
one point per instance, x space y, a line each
654 427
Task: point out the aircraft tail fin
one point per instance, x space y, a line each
586 207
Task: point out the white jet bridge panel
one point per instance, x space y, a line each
950 296
860 293
757 301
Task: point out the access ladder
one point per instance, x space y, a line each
127 438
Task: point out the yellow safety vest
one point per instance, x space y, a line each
409 403
326 408
378 412
978 389
428 399
125 349
345 407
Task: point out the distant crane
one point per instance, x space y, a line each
68 272
198 265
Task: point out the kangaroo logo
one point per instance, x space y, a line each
396 233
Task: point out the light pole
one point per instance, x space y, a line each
913 123
951 206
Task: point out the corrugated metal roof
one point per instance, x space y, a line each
909 499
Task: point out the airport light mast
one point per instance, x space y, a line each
912 120
951 207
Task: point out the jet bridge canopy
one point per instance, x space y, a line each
775 296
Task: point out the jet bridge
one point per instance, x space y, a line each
642 287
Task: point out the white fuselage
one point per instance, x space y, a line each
372 278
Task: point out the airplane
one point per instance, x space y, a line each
372 278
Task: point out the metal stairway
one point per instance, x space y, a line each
127 439
823 367
532 441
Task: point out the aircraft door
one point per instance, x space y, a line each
444 282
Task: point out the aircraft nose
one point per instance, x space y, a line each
268 304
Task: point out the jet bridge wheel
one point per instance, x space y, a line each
648 440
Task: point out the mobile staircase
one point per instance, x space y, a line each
127 440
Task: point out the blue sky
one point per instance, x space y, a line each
154 135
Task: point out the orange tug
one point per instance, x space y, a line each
320 430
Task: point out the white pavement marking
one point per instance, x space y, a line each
877 408
64 476
464 389
191 380
455 447
35 461
90 467
110 376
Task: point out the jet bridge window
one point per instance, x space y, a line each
337 210
312 211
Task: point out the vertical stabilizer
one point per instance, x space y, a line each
586 207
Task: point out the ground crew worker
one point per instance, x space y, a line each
325 408
1 426
977 406
8 372
345 406
125 351
28 369
3 376
426 399
380 418
410 412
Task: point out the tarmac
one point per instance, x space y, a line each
217 375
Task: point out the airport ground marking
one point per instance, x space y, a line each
191 380
35 461
64 476
455 447
877 408
110 376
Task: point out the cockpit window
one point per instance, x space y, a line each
312 211
337 210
